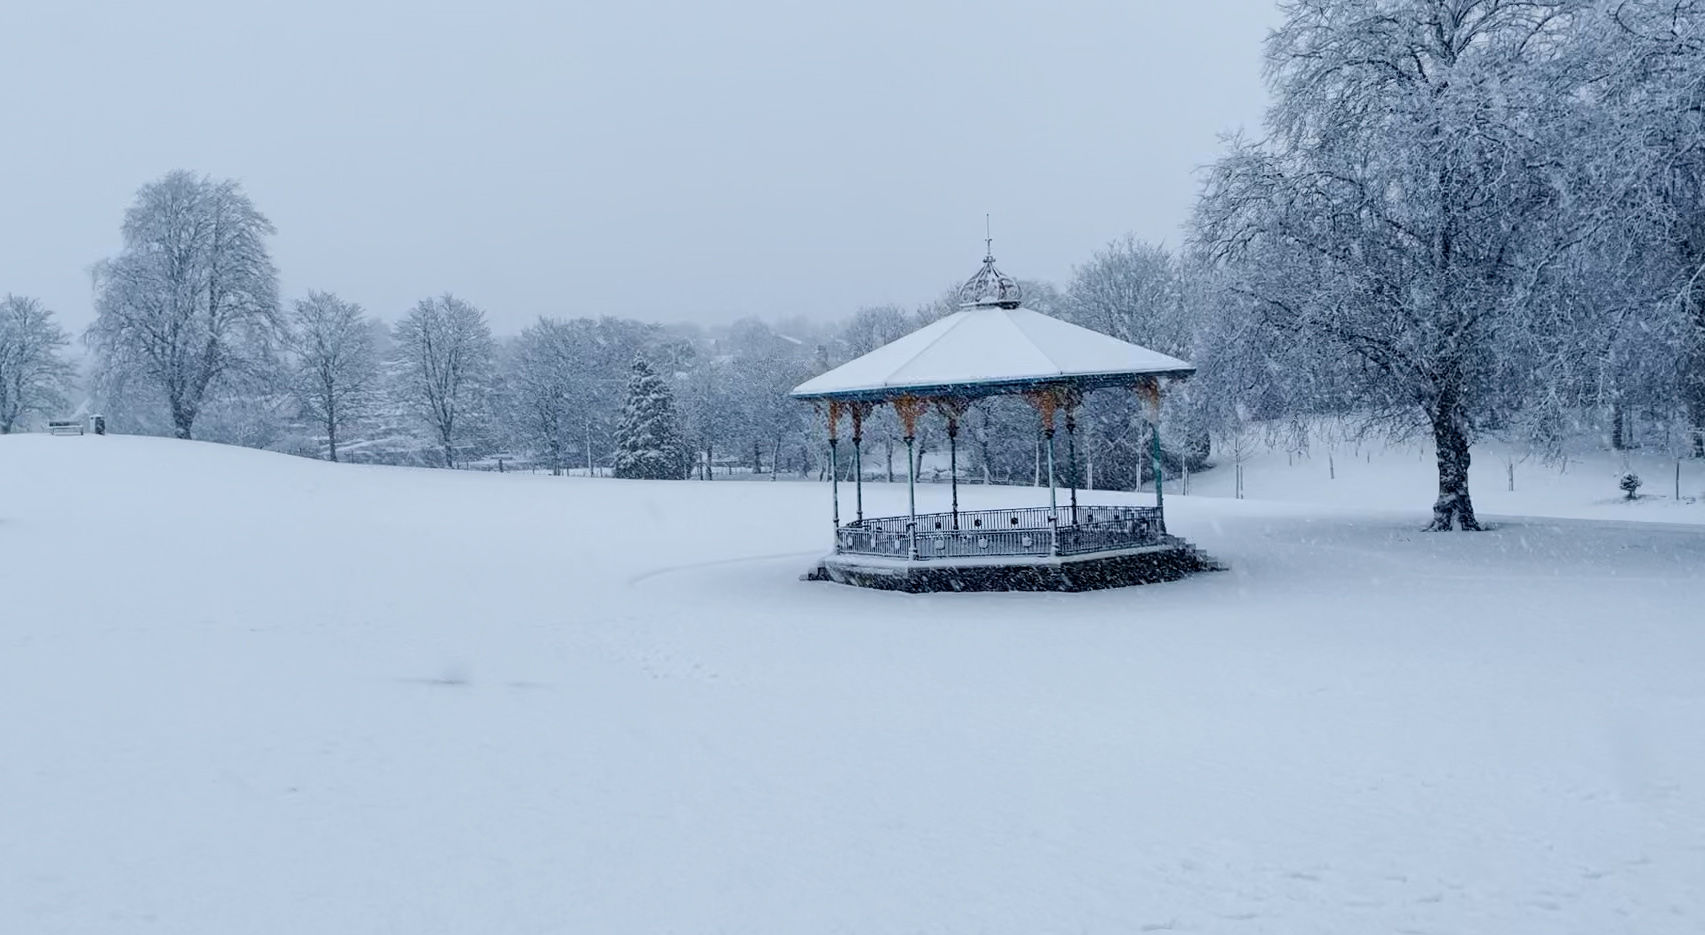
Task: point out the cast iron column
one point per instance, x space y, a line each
835 488
953 465
858 460
911 499
1159 491
1071 459
1053 502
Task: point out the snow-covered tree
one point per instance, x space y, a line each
873 326
543 395
1135 291
767 365
193 297
33 375
593 357
1132 291
710 406
1646 59
444 368
335 372
1403 210
648 443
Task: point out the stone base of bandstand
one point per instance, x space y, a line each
1117 569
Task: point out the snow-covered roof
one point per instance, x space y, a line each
987 350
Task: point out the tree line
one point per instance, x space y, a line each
1461 219
192 339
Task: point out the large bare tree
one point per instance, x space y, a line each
542 391
444 367
1402 211
193 297
336 369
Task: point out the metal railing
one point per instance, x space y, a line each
1024 531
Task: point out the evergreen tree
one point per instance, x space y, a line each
648 444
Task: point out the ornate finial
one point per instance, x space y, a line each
990 288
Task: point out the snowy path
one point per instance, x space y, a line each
253 694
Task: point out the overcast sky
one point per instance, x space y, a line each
660 159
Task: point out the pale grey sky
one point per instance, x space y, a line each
661 159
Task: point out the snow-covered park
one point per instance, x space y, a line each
250 693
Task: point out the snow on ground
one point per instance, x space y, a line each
1378 475
248 693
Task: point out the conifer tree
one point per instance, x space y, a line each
648 444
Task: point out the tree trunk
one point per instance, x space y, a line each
1696 408
1617 440
1693 392
1693 382
183 417
1453 509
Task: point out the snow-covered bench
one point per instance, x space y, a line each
65 427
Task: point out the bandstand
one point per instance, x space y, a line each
994 347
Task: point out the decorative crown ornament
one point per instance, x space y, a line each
989 288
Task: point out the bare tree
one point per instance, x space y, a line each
194 293
710 409
873 326
1650 55
1132 291
444 367
336 372
33 377
766 365
543 392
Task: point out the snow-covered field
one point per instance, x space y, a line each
1380 476
247 693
